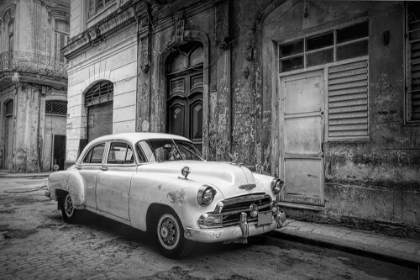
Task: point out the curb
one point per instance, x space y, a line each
27 175
348 246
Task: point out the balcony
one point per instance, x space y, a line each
32 68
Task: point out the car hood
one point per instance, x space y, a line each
227 177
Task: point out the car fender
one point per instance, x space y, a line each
176 193
71 182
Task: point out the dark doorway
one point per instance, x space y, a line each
185 93
59 151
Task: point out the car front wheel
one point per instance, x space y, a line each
67 208
170 237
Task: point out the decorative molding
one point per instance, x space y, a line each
125 15
179 19
246 73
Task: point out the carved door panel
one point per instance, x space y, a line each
185 107
301 119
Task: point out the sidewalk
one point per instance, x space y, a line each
400 251
6 174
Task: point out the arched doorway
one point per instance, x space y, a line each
99 102
184 73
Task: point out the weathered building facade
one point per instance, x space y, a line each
33 84
323 93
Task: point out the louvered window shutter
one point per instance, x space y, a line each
413 62
348 100
91 7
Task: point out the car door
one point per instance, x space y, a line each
89 167
114 179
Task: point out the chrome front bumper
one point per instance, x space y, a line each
237 233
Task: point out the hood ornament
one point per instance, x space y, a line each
233 157
247 187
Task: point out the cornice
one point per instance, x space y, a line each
125 15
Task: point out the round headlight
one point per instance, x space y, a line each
276 187
205 195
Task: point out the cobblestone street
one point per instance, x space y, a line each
36 243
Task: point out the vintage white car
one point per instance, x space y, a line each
159 183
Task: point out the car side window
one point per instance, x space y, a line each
120 153
95 154
140 153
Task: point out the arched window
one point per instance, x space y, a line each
100 93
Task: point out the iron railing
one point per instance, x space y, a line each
33 63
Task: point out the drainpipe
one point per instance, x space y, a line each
39 137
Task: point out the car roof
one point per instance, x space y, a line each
134 137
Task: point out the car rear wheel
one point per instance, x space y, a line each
170 236
67 208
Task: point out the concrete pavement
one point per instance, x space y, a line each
400 251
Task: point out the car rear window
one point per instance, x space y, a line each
95 154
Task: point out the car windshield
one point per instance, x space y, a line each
167 150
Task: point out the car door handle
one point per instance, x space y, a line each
103 168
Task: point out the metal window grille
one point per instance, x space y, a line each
9 108
413 62
56 107
100 93
339 44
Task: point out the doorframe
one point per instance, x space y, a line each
323 71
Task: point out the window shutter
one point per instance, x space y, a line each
9 108
413 62
100 4
57 43
348 100
91 7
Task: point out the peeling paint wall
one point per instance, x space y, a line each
375 179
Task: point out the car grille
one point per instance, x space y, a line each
233 207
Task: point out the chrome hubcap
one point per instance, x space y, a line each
168 230
68 206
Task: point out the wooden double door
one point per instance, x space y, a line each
185 106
